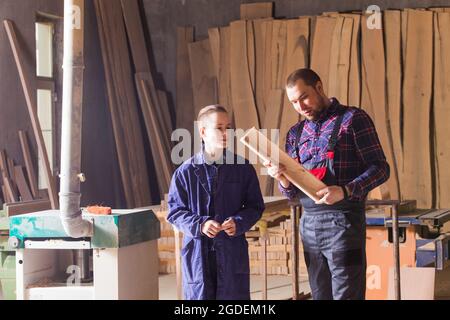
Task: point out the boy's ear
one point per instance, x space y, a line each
202 130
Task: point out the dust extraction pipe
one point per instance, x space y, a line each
69 195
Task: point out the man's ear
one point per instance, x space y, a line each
319 87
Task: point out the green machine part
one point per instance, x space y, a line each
120 229
8 274
7 262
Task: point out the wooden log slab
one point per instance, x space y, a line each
417 93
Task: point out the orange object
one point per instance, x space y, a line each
99 210
380 259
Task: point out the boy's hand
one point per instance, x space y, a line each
229 226
211 228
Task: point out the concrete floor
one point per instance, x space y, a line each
279 287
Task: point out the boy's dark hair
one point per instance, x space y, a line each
307 75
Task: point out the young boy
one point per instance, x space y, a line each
213 203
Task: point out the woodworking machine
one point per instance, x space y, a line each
120 260
432 244
420 239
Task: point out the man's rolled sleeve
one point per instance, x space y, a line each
290 192
370 152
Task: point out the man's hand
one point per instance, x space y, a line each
211 228
330 195
229 226
277 172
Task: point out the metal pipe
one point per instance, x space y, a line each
396 243
69 195
294 258
82 261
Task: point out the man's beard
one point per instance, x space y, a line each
321 106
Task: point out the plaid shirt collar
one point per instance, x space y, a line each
331 110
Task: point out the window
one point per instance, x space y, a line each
44 49
45 91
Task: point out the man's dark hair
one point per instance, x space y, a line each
307 75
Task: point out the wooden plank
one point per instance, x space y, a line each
185 112
204 84
12 195
214 42
354 82
441 98
343 68
6 198
244 107
123 102
118 127
10 168
321 51
11 173
296 58
32 110
123 75
333 80
339 67
163 166
267 70
374 99
13 209
164 106
297 45
295 172
260 29
140 53
278 61
392 39
28 164
224 70
272 121
133 22
404 22
3 165
22 185
417 90
251 58
251 11
278 53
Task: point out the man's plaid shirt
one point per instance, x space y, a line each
359 161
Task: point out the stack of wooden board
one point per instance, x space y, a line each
19 191
31 103
128 72
166 247
385 69
166 243
279 247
